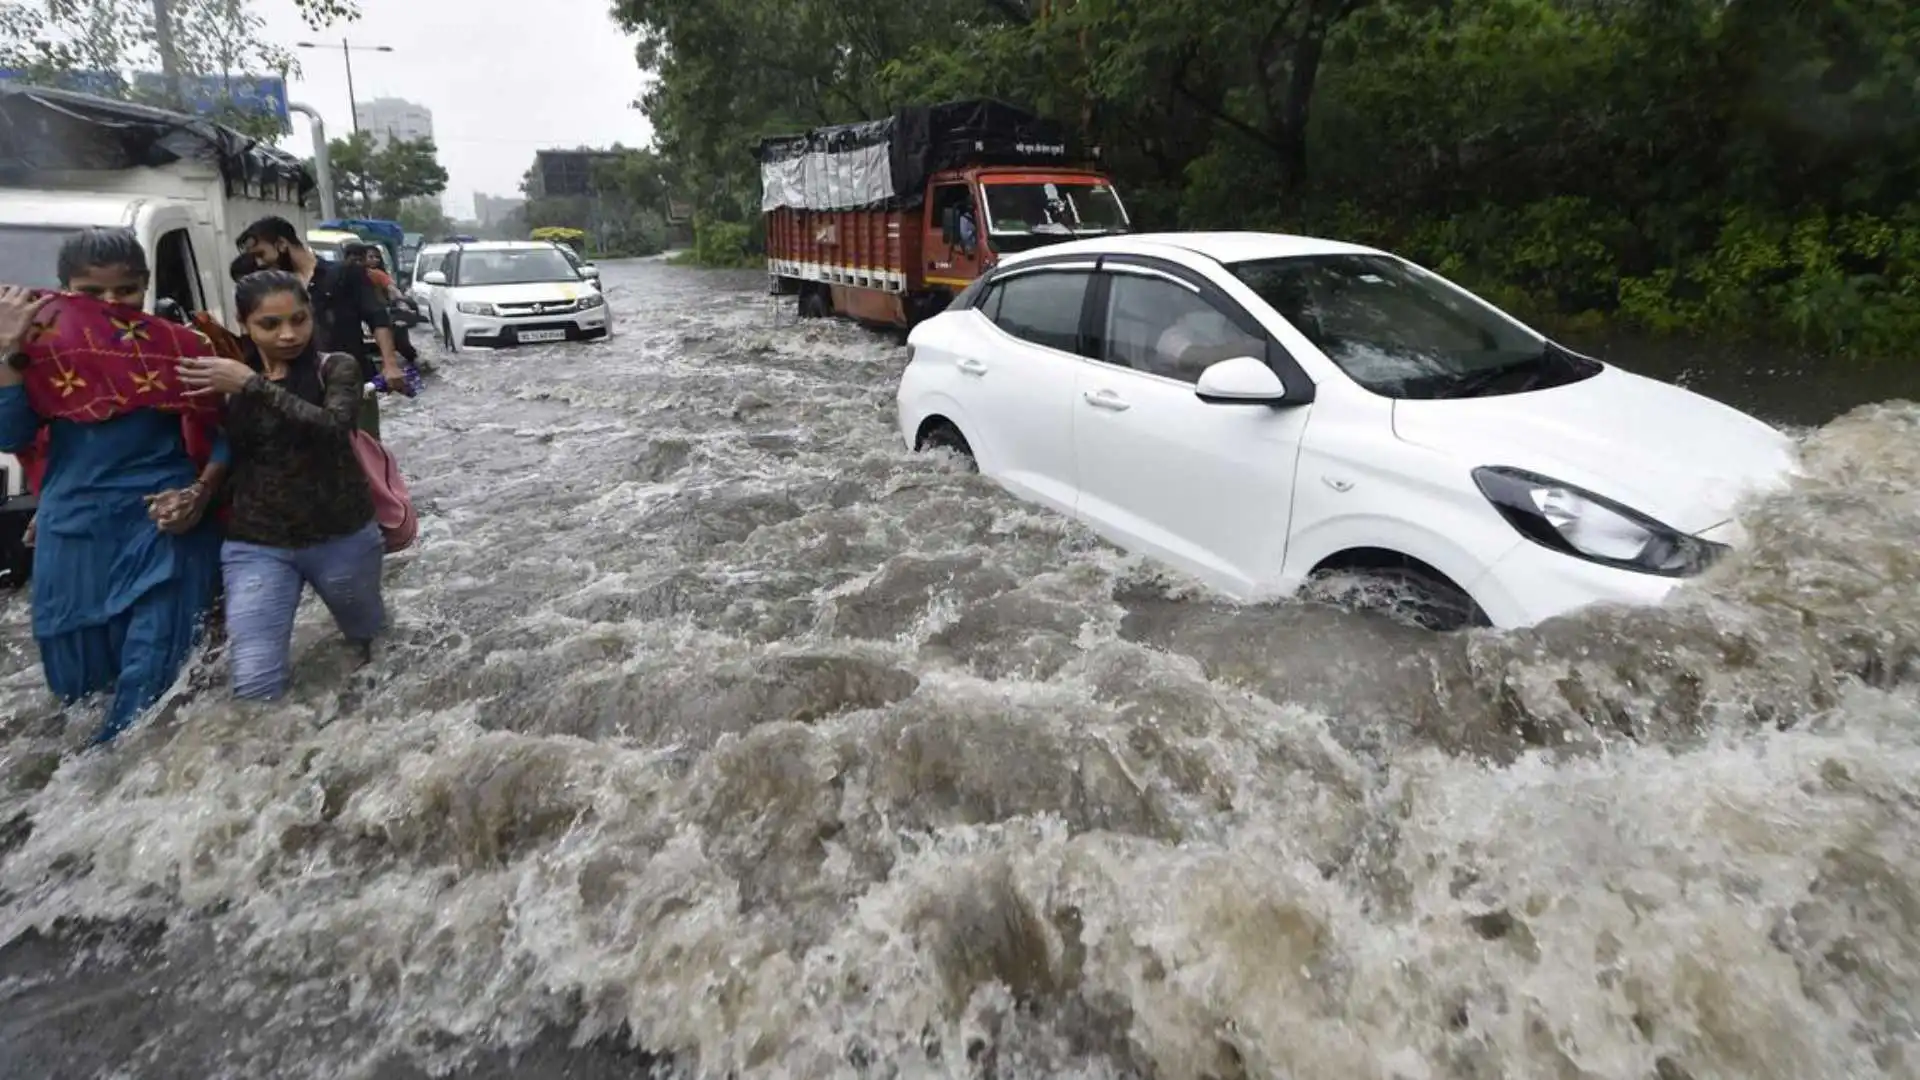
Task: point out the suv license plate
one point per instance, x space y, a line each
543 335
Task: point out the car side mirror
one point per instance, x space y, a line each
169 309
950 225
434 277
588 270
1242 380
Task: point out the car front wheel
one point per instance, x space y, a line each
942 435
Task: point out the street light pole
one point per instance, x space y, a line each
353 99
347 49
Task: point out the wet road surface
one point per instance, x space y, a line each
715 723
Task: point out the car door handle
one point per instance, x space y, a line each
971 367
1106 399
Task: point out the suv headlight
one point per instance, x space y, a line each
1576 522
470 308
592 300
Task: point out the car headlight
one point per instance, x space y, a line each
592 300
1576 522
476 309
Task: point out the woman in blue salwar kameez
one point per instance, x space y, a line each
126 559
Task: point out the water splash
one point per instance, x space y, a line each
717 724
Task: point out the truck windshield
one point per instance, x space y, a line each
28 254
1053 208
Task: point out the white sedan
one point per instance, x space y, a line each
1257 410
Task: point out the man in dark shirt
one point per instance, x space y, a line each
344 298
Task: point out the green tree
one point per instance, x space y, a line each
424 215
51 39
624 212
1693 165
376 180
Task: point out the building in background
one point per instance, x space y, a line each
494 210
395 118
563 173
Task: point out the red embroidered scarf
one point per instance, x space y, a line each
89 361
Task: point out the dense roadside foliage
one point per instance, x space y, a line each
1726 167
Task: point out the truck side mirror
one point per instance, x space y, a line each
950 225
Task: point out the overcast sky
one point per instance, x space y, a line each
503 77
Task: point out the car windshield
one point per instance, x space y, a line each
1053 208
514 267
29 254
1398 330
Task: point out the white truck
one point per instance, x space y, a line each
185 186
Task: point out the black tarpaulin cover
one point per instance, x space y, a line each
57 130
887 162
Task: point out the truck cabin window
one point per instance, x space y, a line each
1053 208
28 253
176 273
954 197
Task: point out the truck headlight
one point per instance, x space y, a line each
1577 522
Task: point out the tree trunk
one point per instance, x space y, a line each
169 60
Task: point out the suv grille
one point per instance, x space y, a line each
553 307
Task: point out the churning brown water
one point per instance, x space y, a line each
716 724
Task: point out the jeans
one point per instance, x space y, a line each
263 593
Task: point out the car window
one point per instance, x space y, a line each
989 302
1043 307
1163 328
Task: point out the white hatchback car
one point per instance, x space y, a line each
1257 410
498 293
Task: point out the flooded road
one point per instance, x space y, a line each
716 724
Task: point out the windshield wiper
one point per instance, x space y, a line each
1480 382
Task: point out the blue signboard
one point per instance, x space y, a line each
210 94
205 94
98 83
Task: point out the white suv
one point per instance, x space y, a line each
513 293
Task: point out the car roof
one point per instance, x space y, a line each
1226 247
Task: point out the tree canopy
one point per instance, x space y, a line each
1686 164
50 39
378 180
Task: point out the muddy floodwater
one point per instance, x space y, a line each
718 734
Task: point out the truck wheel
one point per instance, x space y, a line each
816 303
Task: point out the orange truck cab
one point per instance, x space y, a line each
884 221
